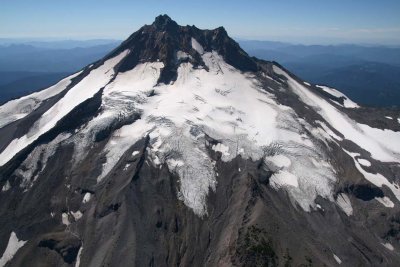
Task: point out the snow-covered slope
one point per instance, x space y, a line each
178 115
19 108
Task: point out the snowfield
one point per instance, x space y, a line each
222 103
14 244
178 116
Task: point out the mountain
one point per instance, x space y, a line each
179 149
369 75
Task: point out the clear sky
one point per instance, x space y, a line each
299 21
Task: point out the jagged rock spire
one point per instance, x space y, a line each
161 40
164 22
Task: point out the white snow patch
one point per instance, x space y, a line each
14 244
306 83
77 215
344 203
86 197
385 201
196 46
126 166
6 186
337 259
221 148
65 219
78 257
388 117
134 153
388 246
347 103
180 55
283 179
364 162
85 89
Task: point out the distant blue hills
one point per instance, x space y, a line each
370 75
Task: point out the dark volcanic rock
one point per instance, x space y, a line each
161 40
57 196
64 244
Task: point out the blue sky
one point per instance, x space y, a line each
299 21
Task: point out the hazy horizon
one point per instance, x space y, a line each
303 22
26 40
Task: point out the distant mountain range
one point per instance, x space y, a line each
22 57
57 43
370 75
33 65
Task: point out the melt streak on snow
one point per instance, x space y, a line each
196 46
14 244
337 259
78 257
344 203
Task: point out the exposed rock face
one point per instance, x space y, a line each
161 40
178 149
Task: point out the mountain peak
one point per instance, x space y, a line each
168 138
164 22
164 38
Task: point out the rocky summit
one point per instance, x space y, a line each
178 149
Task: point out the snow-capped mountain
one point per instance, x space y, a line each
178 149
